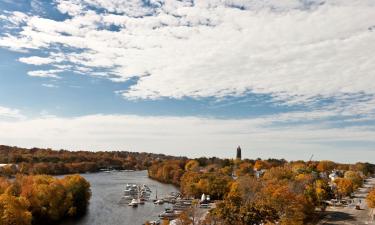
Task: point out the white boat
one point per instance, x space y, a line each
159 202
127 197
134 203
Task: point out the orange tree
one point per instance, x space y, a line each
370 199
344 187
42 199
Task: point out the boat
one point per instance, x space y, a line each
131 190
159 202
168 214
134 203
127 197
141 201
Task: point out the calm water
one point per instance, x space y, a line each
105 205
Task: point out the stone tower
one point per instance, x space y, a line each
238 156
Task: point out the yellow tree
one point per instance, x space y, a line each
192 165
79 189
290 206
13 210
370 199
344 187
355 177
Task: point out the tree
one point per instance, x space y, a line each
323 192
279 173
325 166
291 205
365 168
80 191
244 168
260 164
355 177
14 210
192 165
214 184
344 187
299 167
370 199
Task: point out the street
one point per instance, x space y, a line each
348 214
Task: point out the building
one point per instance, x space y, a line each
333 176
238 156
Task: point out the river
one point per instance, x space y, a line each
105 206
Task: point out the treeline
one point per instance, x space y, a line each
47 161
42 199
263 191
171 171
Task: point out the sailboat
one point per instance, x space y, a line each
158 201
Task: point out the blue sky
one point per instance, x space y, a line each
281 78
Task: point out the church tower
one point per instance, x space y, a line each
238 156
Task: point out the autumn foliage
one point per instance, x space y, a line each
281 196
47 161
262 191
371 199
42 199
168 171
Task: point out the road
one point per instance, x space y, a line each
350 215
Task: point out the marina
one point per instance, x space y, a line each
174 204
107 205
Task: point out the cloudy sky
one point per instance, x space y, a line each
283 79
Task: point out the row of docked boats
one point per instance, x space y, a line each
137 194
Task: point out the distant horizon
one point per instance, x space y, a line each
193 157
283 79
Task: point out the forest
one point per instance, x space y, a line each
263 191
48 161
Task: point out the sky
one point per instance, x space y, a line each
282 79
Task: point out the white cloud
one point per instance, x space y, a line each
16 17
44 73
35 60
9 113
50 85
69 7
192 136
296 51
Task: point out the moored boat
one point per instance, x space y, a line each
134 203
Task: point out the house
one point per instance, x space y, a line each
333 176
259 173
